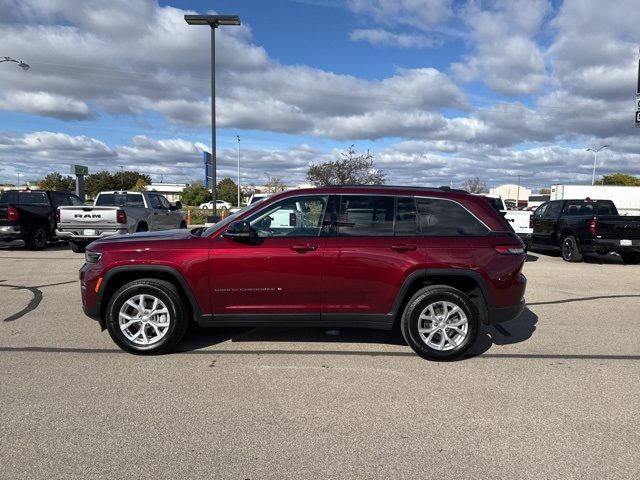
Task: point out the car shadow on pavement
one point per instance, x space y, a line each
517 330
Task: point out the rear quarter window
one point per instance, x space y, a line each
446 218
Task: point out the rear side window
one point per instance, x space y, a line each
62 199
119 200
439 217
362 215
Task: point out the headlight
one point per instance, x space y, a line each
91 256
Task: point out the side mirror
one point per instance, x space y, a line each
178 205
240 229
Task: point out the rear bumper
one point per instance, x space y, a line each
10 232
611 245
504 314
74 233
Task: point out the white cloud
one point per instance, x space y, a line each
422 14
507 57
377 36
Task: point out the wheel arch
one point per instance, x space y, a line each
119 276
468 282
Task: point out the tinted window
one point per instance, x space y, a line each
25 198
164 202
292 217
154 202
440 217
120 200
61 199
365 216
541 209
406 217
553 210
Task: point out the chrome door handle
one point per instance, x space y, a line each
403 247
304 247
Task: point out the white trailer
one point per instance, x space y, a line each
626 199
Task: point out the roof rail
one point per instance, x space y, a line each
414 187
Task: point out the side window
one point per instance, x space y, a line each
553 210
292 217
406 216
572 209
75 201
540 210
439 217
60 199
164 202
154 201
362 215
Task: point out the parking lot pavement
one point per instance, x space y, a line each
552 394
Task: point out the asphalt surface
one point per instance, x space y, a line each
552 394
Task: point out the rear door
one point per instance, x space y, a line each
160 214
370 250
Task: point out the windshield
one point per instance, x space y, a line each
209 230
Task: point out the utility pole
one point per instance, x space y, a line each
518 194
238 137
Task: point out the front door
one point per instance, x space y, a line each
277 273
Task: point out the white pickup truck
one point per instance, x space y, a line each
116 213
520 220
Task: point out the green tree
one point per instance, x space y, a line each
545 191
227 190
140 185
55 181
195 194
350 169
101 181
620 179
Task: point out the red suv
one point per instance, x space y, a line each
436 262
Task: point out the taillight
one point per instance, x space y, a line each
508 250
12 214
57 215
592 226
121 216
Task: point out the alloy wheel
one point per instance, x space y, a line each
144 319
443 325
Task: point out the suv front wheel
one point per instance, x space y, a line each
439 323
146 316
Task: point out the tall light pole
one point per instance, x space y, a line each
238 137
20 63
214 21
595 160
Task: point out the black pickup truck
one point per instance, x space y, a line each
585 226
29 215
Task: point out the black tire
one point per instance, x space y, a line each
78 247
433 295
37 237
183 224
630 258
168 294
205 207
142 228
570 250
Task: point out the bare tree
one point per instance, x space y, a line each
274 184
350 169
475 185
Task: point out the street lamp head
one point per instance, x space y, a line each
23 65
212 20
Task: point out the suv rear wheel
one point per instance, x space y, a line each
439 323
146 317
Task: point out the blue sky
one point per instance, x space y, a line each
439 91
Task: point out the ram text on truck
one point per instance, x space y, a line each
116 213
